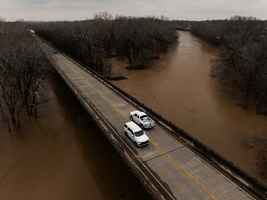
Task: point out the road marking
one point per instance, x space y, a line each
156 145
179 168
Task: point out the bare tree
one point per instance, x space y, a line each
93 41
23 68
103 16
242 59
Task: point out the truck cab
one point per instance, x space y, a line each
142 119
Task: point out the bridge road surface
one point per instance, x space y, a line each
183 172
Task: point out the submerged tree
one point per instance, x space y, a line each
242 60
23 68
139 40
241 63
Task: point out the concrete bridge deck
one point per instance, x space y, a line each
167 167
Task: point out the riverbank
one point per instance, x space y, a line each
63 155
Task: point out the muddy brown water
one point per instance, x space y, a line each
63 156
178 86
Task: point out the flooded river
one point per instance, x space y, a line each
179 87
63 156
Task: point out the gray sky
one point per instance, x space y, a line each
177 9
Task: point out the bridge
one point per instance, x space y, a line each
169 168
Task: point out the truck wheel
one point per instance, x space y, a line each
136 144
126 133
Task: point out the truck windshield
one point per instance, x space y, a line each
144 118
139 133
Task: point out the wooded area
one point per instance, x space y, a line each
93 41
23 68
242 60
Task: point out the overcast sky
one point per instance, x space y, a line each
174 9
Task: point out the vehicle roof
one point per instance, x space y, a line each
133 126
140 113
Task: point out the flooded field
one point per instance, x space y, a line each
179 87
63 156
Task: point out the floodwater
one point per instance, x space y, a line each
179 87
63 156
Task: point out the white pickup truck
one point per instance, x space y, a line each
136 134
142 119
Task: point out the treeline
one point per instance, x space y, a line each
242 60
23 67
218 31
139 40
212 31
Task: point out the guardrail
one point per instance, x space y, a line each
228 168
